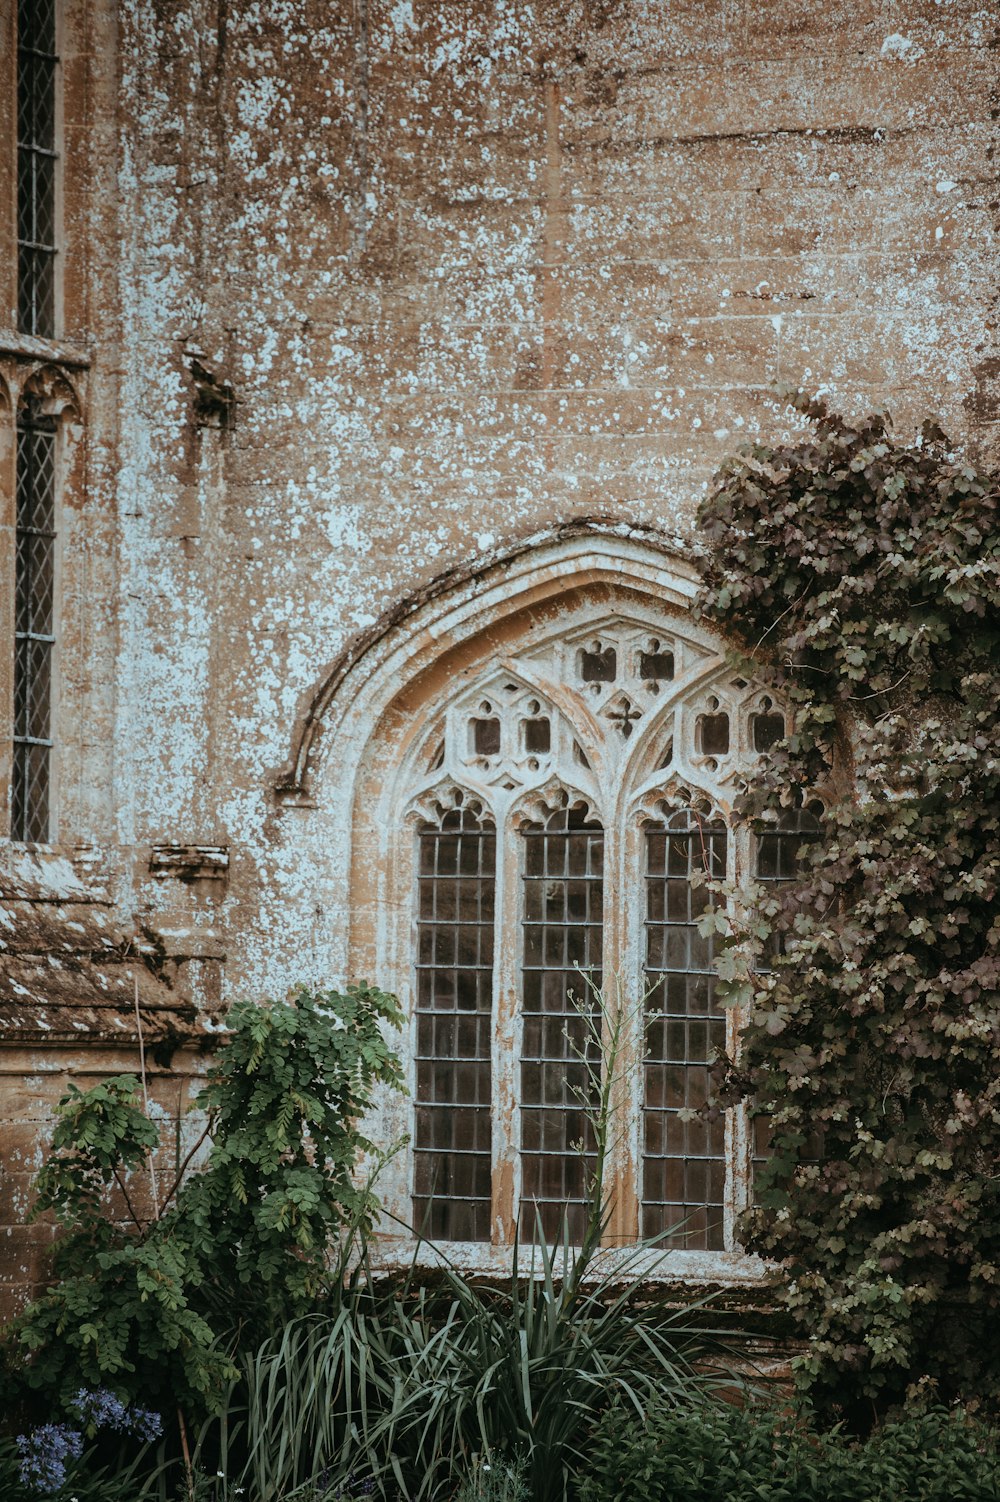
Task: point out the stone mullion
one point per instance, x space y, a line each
8 570
621 978
739 1143
507 1031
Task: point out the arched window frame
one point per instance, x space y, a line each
366 762
623 727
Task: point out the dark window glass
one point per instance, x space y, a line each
656 666
683 1164
713 734
537 735
454 1013
779 849
767 729
36 165
486 737
599 665
34 584
563 917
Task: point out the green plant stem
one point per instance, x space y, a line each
186 1453
120 1181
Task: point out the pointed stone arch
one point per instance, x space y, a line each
461 605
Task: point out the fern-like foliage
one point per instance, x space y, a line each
155 1291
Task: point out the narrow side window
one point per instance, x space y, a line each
37 66
683 1162
34 626
563 933
454 1010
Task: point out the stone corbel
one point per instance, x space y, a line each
190 862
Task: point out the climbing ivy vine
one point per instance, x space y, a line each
860 576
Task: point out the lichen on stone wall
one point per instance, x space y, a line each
472 271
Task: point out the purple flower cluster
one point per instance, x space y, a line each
45 1453
98 1408
145 1424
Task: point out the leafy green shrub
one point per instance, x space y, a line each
861 579
230 1251
718 1453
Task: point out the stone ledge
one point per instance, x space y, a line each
17 346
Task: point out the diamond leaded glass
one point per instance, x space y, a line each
37 67
34 587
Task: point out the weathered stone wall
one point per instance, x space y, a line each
471 270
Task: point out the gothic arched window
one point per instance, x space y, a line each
47 410
567 809
517 788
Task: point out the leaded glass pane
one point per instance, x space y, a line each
683 1165
26 196
36 193
562 937
36 24
30 810
779 851
32 687
36 474
452 1134
34 585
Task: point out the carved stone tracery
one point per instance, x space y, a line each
603 710
51 393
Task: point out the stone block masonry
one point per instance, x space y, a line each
465 272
